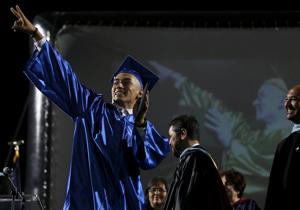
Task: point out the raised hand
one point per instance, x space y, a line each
23 24
220 124
165 72
140 110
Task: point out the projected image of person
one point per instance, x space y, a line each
112 141
245 149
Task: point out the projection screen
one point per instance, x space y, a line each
233 80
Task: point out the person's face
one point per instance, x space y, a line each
223 180
292 105
157 195
268 103
176 141
125 90
229 189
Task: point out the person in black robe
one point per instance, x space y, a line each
196 183
284 181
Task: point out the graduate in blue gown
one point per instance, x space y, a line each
112 141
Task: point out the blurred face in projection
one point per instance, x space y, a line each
125 90
292 104
268 103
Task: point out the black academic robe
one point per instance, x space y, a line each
197 184
284 181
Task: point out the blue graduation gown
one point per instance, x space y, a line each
108 151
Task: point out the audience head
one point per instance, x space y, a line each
156 193
234 183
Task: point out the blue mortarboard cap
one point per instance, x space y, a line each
144 75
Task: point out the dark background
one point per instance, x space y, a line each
15 48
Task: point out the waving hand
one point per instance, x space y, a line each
23 24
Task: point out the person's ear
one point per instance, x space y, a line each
140 93
183 133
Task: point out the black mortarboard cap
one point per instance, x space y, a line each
144 75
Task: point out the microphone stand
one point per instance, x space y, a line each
16 194
14 145
8 172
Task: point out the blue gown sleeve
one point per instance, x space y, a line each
150 149
54 77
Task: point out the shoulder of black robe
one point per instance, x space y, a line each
285 173
197 184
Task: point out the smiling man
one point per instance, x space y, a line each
284 179
112 141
